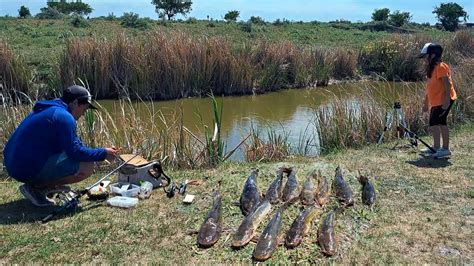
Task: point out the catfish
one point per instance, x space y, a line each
275 190
247 228
291 190
342 190
322 190
270 237
301 226
368 191
250 197
211 228
326 235
308 193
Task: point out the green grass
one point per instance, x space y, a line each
423 215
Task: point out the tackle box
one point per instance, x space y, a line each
125 189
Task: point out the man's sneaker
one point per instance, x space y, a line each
441 153
36 196
51 193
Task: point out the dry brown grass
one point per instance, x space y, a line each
272 148
15 76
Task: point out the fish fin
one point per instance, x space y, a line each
192 232
339 210
281 240
255 238
229 230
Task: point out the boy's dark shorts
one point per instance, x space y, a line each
438 116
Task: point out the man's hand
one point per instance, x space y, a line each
112 153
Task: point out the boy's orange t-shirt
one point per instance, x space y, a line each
435 87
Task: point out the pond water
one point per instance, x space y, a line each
290 113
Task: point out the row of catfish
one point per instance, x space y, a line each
314 194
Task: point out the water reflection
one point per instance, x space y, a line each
287 112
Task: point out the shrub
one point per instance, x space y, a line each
283 22
257 20
78 22
247 26
132 20
392 59
191 20
111 17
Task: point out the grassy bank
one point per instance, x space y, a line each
423 215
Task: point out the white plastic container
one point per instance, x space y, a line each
124 189
122 202
145 190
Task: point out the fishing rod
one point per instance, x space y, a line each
72 203
414 135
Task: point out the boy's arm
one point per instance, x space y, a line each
447 89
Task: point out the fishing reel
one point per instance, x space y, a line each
173 188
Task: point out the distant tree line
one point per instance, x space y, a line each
448 14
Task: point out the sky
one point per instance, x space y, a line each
269 10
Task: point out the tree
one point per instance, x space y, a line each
49 13
380 14
170 8
24 12
399 19
232 16
449 14
77 7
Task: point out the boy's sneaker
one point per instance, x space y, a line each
441 153
36 196
426 151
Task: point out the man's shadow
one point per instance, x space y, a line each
428 162
23 211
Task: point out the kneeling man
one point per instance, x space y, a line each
45 152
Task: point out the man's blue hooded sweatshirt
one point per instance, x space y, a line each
48 130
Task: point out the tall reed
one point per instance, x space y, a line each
164 66
358 121
273 147
15 76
